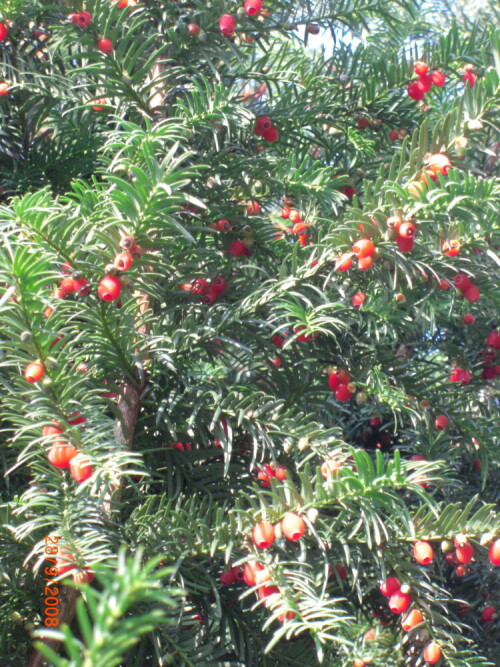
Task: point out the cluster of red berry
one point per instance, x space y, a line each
208 291
417 89
363 250
462 282
110 287
268 471
256 574
264 128
64 455
399 601
83 19
339 381
300 228
227 23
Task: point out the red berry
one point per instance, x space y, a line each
253 208
263 534
358 299
390 586
264 475
464 554
82 19
432 653
277 362
262 124
425 82
193 29
423 553
375 421
123 261
488 614
342 393
267 591
408 230
293 527
227 24
404 243
443 285
60 455
493 340
451 247
363 248
219 285
344 262
271 135
333 381
83 577
237 249
81 286
253 7
337 569
470 79
460 375
461 281
281 473
4 31
343 376
363 123
429 175
52 429
285 212
441 422
223 225
295 216
412 619
399 602
488 374
415 90
278 340
251 573
468 318
472 293
109 288
494 553
228 577
209 297
80 468
420 68
4 89
312 29
76 418
349 191
304 338
105 45
438 78
34 372
365 263
67 285
439 163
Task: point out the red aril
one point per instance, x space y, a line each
293 527
390 586
263 534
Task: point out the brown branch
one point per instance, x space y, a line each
67 605
129 405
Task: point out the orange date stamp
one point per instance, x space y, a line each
51 599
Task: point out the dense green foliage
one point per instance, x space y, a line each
156 141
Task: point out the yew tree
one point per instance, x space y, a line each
249 290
